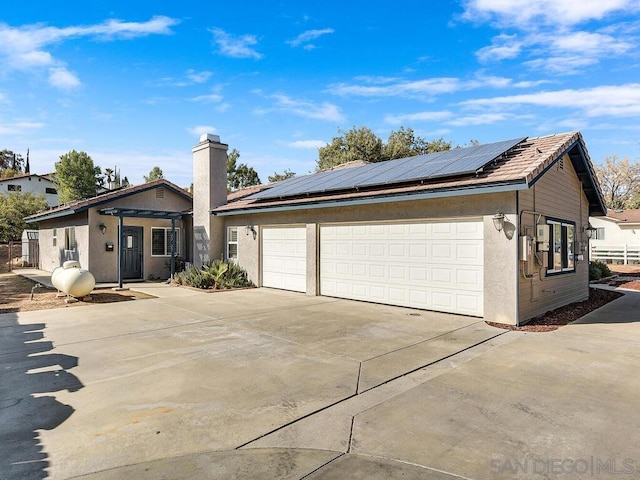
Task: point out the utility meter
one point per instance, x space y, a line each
542 238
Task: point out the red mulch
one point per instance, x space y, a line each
562 316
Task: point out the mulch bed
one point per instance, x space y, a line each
562 316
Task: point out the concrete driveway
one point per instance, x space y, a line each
269 384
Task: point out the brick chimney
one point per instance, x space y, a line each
209 192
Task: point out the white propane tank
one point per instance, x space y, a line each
73 280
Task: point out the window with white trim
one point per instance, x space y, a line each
161 241
54 240
561 246
232 243
70 238
14 188
599 234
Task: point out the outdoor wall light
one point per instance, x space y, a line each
498 221
588 230
249 229
103 228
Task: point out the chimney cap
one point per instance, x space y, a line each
209 137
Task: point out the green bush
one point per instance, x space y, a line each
598 270
217 274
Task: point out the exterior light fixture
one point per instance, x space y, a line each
250 229
103 228
588 230
498 221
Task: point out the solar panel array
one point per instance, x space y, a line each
459 161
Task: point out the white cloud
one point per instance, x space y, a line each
307 144
418 117
502 47
198 77
322 111
398 88
305 38
63 79
235 47
480 119
210 98
19 128
605 100
200 129
526 13
25 47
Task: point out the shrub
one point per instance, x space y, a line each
217 274
598 270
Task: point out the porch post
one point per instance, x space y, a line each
121 245
173 247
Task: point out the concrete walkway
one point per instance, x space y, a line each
270 384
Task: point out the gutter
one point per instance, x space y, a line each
389 198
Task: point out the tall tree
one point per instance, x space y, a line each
76 176
278 177
239 175
154 174
620 182
363 144
13 208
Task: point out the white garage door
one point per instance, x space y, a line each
284 258
431 265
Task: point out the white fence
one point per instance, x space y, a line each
619 254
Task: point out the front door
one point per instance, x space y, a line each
132 252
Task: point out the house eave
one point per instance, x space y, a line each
378 199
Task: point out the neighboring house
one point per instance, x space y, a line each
616 237
495 231
31 183
87 230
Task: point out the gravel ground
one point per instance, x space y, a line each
15 296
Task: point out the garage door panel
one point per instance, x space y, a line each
284 258
434 266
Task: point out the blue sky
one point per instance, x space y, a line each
134 84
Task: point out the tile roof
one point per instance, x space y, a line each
26 175
86 203
626 216
520 166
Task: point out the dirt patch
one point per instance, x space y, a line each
625 270
562 316
629 284
15 296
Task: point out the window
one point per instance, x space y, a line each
70 238
232 243
54 241
599 234
51 190
14 188
561 247
161 242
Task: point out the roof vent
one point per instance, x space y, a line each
209 137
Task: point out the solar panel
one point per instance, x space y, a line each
459 161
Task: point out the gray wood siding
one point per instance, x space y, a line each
558 194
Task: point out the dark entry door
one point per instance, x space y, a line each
132 252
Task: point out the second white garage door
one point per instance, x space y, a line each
429 265
284 258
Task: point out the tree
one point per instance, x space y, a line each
11 164
13 208
404 143
278 177
77 177
362 144
355 144
154 174
620 182
239 176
